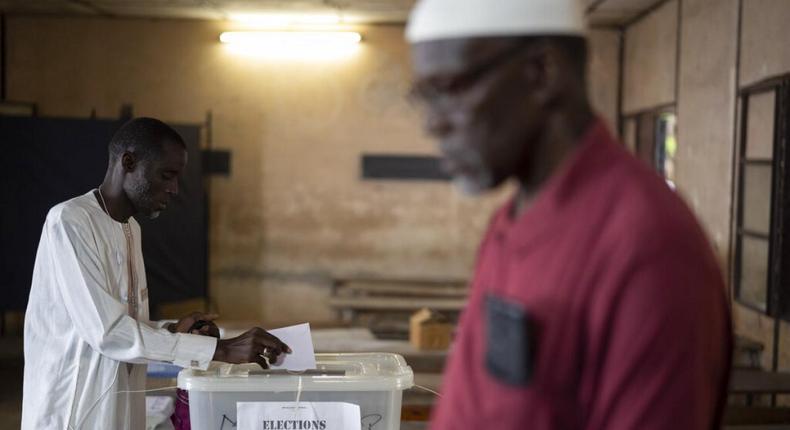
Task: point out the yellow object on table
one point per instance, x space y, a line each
429 330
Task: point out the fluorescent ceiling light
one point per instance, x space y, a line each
292 44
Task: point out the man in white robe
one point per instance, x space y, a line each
87 333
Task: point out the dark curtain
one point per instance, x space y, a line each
48 160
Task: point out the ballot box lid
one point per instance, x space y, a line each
334 372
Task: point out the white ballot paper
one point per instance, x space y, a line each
301 342
297 416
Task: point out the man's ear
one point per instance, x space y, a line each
129 162
543 70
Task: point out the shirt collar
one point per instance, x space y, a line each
592 154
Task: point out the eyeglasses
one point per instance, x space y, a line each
439 94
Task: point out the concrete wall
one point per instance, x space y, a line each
706 114
650 60
765 51
604 74
702 87
294 212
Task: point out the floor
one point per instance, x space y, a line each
11 366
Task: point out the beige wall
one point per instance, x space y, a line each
765 51
294 212
706 114
604 73
650 60
703 82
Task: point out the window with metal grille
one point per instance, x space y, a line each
761 265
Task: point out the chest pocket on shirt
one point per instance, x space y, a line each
510 341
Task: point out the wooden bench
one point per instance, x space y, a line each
390 289
396 304
749 383
401 286
747 352
393 300
756 381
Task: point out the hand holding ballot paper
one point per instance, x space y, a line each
287 348
253 346
298 338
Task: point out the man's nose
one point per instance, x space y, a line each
172 189
438 125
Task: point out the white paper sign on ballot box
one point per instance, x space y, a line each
297 416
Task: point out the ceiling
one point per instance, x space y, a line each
601 12
616 12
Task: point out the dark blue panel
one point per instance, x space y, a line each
402 167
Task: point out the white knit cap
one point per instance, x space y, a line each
449 19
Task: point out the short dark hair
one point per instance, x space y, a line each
143 136
573 48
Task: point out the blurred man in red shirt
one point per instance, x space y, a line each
596 301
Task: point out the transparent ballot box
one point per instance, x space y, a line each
374 381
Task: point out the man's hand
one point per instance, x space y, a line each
207 328
254 346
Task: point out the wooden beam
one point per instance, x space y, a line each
395 289
396 304
759 381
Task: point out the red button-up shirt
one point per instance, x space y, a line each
631 323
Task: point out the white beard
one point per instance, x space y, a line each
474 186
